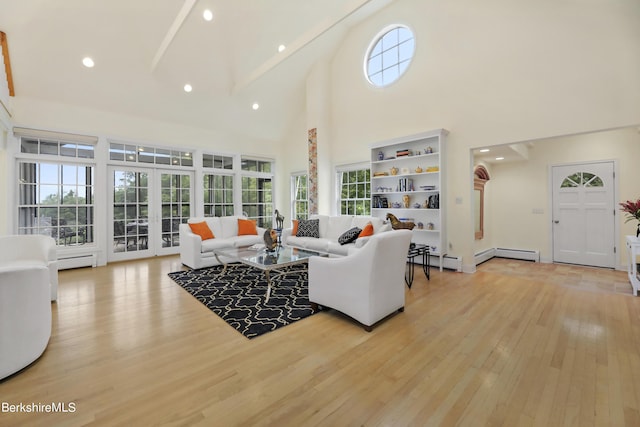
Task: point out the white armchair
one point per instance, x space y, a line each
368 284
29 250
25 316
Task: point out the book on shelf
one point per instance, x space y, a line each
380 202
405 184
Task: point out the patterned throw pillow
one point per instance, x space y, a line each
309 228
349 236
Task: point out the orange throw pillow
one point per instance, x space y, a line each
366 231
295 227
247 227
202 230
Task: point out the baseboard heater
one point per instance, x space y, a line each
525 255
485 255
449 262
77 261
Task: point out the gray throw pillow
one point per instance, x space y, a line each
349 236
309 228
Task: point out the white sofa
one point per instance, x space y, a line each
330 229
25 315
367 284
196 253
31 250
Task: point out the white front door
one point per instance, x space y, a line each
584 214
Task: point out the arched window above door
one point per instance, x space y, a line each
582 179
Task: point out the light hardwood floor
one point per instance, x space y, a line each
515 344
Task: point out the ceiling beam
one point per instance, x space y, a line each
7 62
300 43
173 30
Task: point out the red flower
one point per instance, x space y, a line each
632 209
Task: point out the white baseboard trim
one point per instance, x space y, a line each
449 262
521 254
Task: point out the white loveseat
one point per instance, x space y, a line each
31 250
330 229
196 253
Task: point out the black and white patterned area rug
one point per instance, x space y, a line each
238 296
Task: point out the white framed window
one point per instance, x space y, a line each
218 184
133 153
257 190
56 190
389 55
299 195
354 189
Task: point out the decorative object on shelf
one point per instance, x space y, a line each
396 224
416 205
396 205
632 209
428 150
380 155
430 226
270 239
394 171
420 225
406 200
432 169
279 220
418 169
433 202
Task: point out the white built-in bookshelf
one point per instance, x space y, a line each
408 180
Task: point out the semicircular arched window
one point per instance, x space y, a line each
582 179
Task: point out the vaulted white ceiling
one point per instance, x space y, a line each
145 51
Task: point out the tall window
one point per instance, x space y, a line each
56 198
218 185
218 195
355 191
299 196
257 191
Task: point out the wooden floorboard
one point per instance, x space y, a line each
515 344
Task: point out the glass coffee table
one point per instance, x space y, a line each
271 263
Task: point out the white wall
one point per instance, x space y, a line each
45 115
519 187
490 73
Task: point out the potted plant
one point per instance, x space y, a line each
632 209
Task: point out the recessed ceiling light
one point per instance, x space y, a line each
88 62
281 48
188 88
255 106
207 15
499 158
484 150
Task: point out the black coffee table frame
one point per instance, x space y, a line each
414 252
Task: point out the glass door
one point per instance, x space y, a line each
175 208
129 227
147 207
